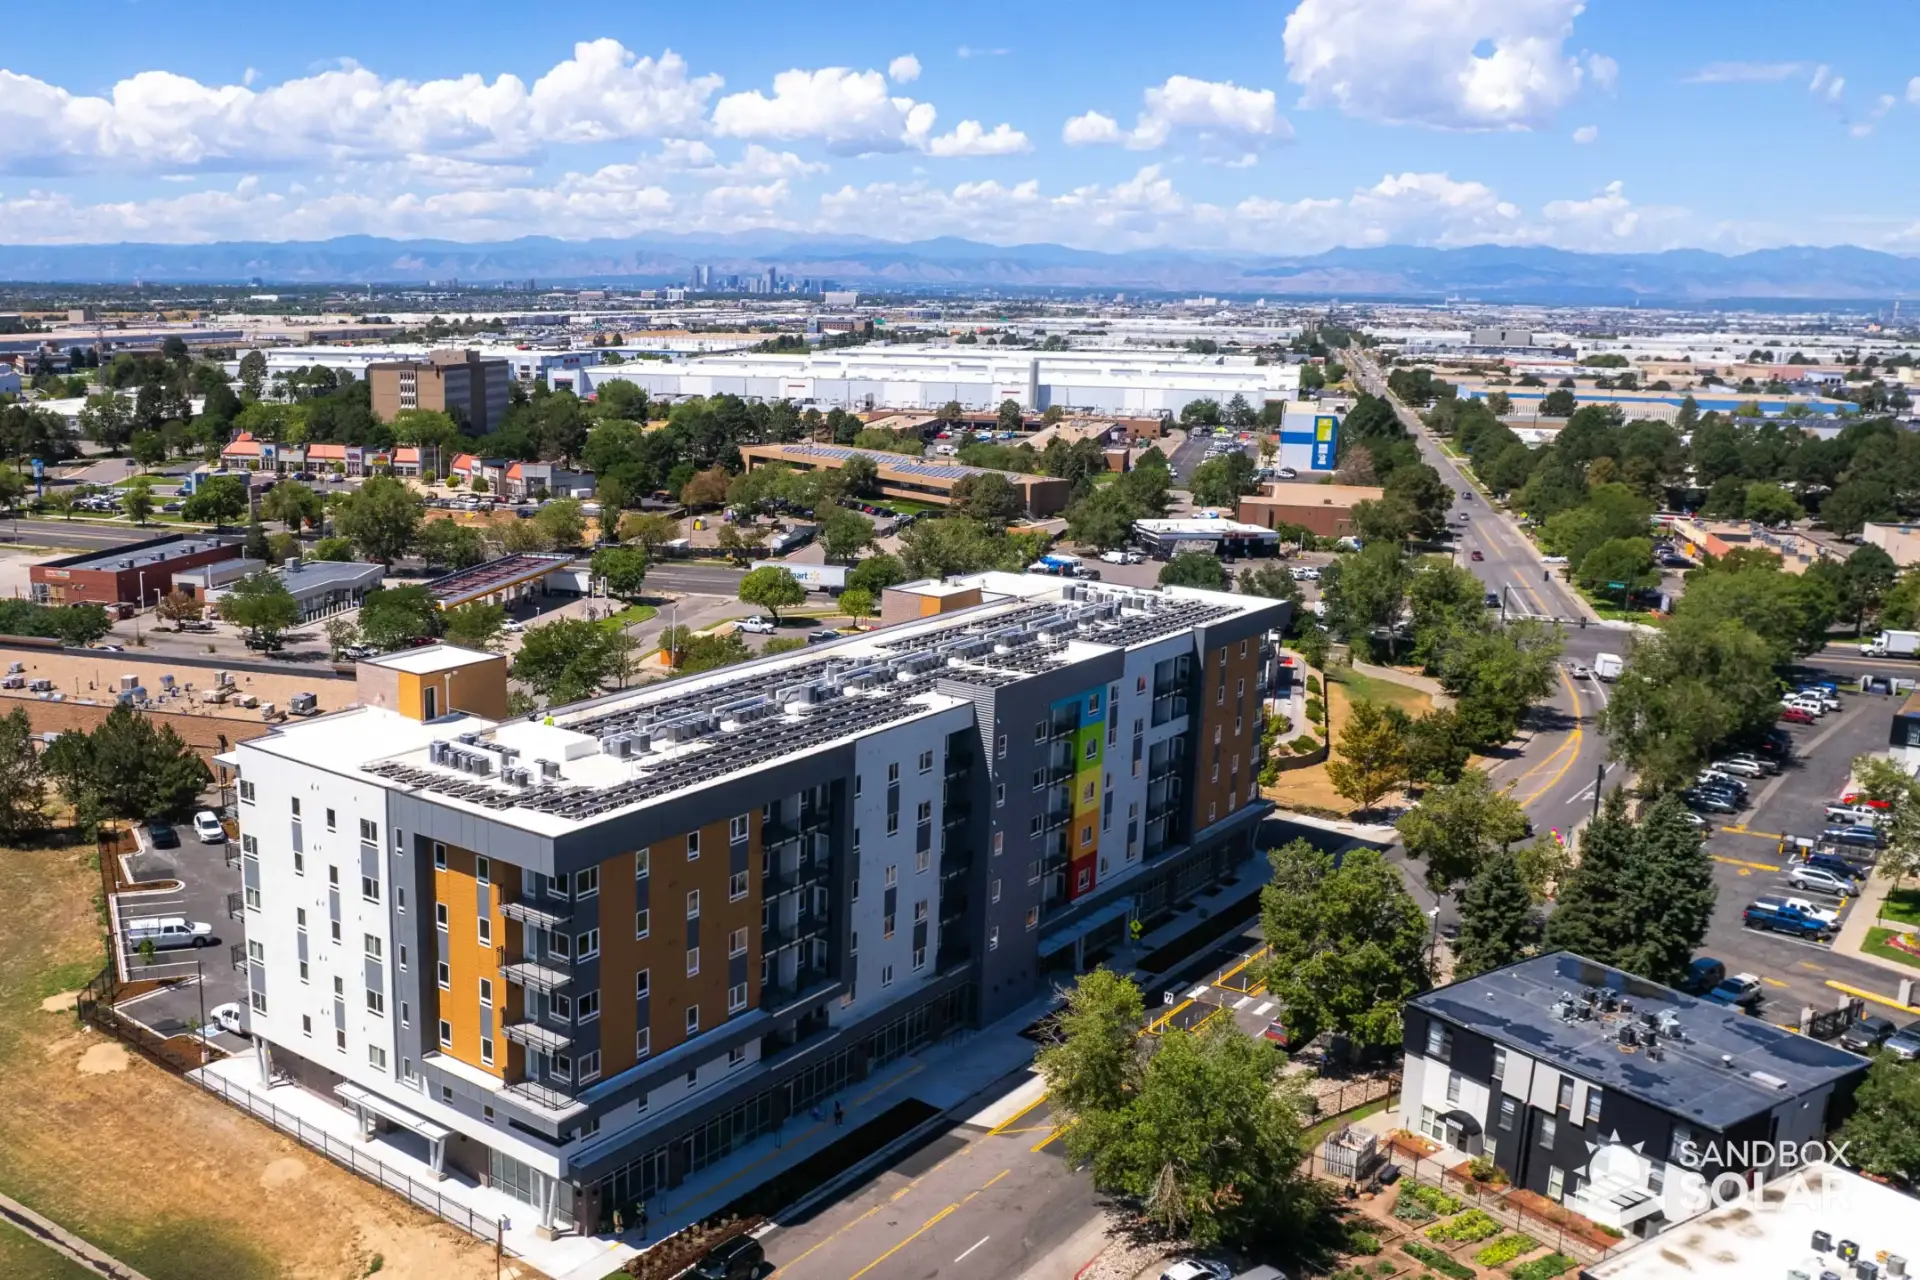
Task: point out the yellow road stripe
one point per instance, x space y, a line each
830 1239
1735 862
995 1178
1166 1017
1757 835
1868 995
924 1228
1040 1145
1773 982
1021 1113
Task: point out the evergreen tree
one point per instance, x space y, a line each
1593 916
1883 1133
1642 894
1496 918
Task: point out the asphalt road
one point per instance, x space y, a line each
73 533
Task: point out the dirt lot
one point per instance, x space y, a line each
146 1166
1311 789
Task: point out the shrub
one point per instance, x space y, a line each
1439 1202
1470 1226
1361 1243
1313 684
1546 1268
1505 1250
1316 711
1279 726
1408 1209
1270 775
1305 745
1484 1169
1439 1261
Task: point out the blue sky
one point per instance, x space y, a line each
1280 128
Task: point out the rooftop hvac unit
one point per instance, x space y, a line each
620 746
268 711
642 743
437 752
1822 1242
1896 1266
15 668
13 682
508 753
128 682
549 769
303 704
1849 1251
166 681
223 678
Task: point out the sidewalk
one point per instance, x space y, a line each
1852 938
64 1242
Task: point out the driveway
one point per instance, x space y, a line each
209 891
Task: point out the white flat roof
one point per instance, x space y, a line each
428 659
1773 1237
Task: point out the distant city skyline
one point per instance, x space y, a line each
1265 128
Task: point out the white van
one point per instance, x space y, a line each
169 931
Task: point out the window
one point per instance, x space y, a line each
331 824
854 890
737 828
1033 871
1039 779
257 951
406 1072
369 941
999 795
925 812
922 860
446 1034
1565 1102
640 922
339 985
486 931
590 1070
333 927
643 984
926 762
1033 917
562 1006
1499 1062
1556 1182
306 1024
1093 749
1509 1111
693 846
1549 1129
1000 747
1439 1041
586 883
642 1043
483 868
993 938
399 898
369 832
1036 824
1593 1105
736 997
1680 1148
893 824
642 863
253 899
920 911
737 1057
856 839
560 1067
893 876
486 992
993 890
299 862
440 914
1453 1086
403 957
486 1050
886 925
1093 703
406 1014
693 1019
886 975
693 961
439 856
1243 648
693 904
246 792
587 945
376 1002
737 886
445 977
1039 730
737 943
893 773
587 1007
339 1033
999 842
369 888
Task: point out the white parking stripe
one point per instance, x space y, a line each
1266 1007
1242 1002
1197 992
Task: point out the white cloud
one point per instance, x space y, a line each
1446 64
852 113
1745 72
159 120
1229 122
1586 133
904 69
1609 213
1913 91
969 139
969 51
1603 71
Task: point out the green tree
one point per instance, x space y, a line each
381 518
989 497
1496 674
474 625
261 604
858 602
1366 591
1091 1053
845 534
1103 519
572 658
1865 580
941 548
650 531
1437 748
139 503
1851 506
393 617
1425 496
862 475
23 784
876 574
1194 569
1456 828
1558 403
1382 520
1624 560
447 543
335 549
1347 944
772 588
1271 580
622 569
1882 779
341 635
253 374
1883 1132
217 500
126 768
293 504
563 521
1370 757
1684 693
1770 504
107 420
1220 482
1497 924
1642 894
1010 417
149 448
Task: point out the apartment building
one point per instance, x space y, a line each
469 386
584 955
1620 1098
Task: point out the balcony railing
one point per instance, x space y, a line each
538 976
780 936
803 980
530 912
535 1036
539 1095
775 883
781 830
954 813
958 763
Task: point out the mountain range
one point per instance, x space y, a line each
1484 273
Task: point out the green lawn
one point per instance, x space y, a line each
632 615
1902 905
1318 1133
24 1258
1363 687
1877 945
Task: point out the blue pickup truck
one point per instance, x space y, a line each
1785 919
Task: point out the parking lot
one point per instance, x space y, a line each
208 890
1749 864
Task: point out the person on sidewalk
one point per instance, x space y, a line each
640 1217
839 1114
619 1224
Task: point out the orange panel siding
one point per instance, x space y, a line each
1228 692
469 961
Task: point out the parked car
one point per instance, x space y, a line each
1197 1269
1821 880
1759 762
1826 698
1861 837
169 931
756 625
1695 821
821 637
206 825
1703 975
1867 1033
1492 600
162 835
1476 557
1905 1043
1806 907
1778 918
1709 802
1739 768
1845 868
1796 715
1553 559
737 1259
1742 991
227 1018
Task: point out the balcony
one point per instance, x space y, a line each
539 977
955 813
528 912
783 830
775 994
535 1036
557 1104
781 936
775 883
958 764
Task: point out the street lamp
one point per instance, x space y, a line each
1433 944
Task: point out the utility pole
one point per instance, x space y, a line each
1599 778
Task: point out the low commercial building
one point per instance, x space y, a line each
1697 538
245 453
1215 535
1901 541
1325 510
137 573
320 587
900 476
516 481
470 387
1619 1098
502 580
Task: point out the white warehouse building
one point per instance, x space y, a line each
1118 382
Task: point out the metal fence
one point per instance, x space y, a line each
178 1054
1507 1206
353 1157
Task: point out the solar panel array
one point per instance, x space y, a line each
492 573
900 463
